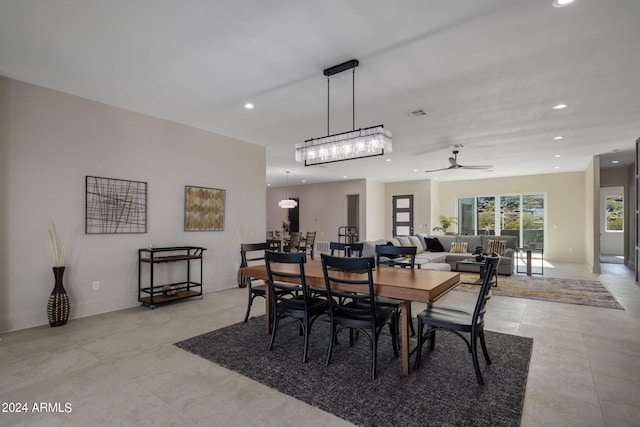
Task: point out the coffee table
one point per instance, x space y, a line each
473 261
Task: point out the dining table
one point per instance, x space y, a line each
402 284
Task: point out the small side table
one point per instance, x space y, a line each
528 260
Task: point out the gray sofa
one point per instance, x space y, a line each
427 257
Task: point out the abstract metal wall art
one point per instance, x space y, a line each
203 209
115 206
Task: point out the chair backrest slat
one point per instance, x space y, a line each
280 290
392 252
356 272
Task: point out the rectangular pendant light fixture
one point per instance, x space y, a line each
354 144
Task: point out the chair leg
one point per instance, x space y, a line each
394 338
416 365
474 356
306 340
432 339
246 316
331 341
484 348
274 328
374 355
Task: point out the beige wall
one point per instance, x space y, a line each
375 211
565 196
323 207
51 141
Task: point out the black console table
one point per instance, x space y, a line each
160 293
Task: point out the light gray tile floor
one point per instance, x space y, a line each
121 368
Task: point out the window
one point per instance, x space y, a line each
614 207
520 215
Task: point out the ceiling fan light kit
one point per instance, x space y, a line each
354 144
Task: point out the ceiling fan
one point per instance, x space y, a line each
455 165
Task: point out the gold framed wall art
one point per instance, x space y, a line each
203 208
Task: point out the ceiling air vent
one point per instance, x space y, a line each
417 113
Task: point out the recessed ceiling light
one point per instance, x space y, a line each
557 167
557 155
388 160
562 3
415 170
615 162
558 137
248 106
559 107
344 177
304 180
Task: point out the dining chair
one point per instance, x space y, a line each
294 241
359 310
348 249
396 256
458 320
292 299
253 253
309 242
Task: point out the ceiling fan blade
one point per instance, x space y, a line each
442 169
477 167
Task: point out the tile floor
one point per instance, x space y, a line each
121 368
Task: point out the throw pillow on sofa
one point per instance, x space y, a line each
497 246
458 247
434 245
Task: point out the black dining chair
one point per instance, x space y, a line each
253 253
348 249
292 299
359 310
458 321
396 256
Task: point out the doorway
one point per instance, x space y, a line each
294 216
612 225
403 215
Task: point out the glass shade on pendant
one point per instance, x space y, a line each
356 144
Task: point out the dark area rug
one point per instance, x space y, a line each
443 392
569 291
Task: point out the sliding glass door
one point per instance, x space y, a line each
520 215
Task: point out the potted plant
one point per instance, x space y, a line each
286 227
479 253
445 223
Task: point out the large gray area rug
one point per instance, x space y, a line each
443 392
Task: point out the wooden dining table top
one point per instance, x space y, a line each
398 283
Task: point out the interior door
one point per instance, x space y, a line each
403 215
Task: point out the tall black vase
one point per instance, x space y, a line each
58 304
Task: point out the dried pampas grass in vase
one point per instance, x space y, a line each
58 303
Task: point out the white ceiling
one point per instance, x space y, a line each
487 73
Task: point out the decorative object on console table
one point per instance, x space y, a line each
58 302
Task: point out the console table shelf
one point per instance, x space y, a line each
153 293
